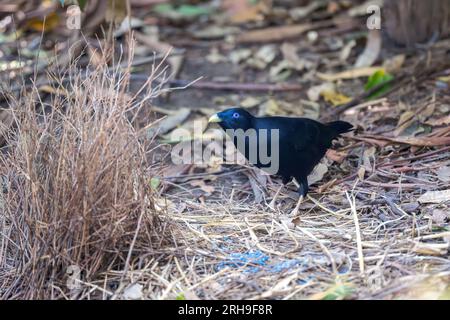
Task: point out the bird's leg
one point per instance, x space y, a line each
302 190
285 180
297 207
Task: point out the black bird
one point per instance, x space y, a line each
302 142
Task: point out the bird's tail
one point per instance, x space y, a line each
339 127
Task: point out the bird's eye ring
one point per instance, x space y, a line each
235 115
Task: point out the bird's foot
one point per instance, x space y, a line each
274 199
294 212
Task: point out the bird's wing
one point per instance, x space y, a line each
306 135
309 142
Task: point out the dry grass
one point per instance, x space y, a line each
76 192
341 246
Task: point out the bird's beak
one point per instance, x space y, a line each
214 118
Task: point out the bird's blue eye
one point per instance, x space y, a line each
235 115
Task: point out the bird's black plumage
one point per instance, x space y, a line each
302 142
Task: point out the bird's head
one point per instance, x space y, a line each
234 118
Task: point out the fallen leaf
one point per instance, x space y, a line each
435 196
289 52
164 205
133 292
49 23
184 11
394 64
237 56
192 10
291 108
310 109
443 174
377 79
335 98
349 74
250 102
336 156
314 92
441 121
406 119
302 12
409 207
318 173
215 57
427 112
170 122
440 216
269 108
265 55
241 11
281 71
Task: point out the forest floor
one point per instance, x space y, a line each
376 224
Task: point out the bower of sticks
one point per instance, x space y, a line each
96 95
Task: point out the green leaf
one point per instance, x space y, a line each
183 11
180 296
376 79
163 8
154 183
338 292
192 11
82 4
